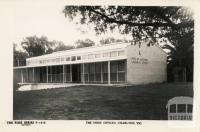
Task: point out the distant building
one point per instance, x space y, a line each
122 63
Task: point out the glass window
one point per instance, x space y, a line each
113 77
62 59
189 108
91 68
67 68
86 68
57 59
113 54
67 58
61 69
86 78
105 67
91 77
97 55
98 77
121 52
68 77
121 66
53 70
121 77
78 57
173 108
49 69
73 58
86 75
98 67
105 77
113 67
113 71
85 57
182 108
91 56
106 54
91 72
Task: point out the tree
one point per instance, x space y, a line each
35 46
158 24
151 23
84 43
19 57
112 40
60 46
181 55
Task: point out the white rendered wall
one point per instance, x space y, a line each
146 64
50 59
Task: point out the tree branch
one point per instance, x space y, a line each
167 24
162 15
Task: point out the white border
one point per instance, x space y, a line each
6 23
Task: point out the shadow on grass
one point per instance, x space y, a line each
142 102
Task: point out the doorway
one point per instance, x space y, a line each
76 73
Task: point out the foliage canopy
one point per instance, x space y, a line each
141 22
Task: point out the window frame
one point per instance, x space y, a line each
78 58
73 58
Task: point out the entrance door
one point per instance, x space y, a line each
76 73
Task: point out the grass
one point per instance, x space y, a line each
142 102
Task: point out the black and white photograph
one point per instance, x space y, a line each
143 59
102 62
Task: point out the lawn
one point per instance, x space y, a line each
141 102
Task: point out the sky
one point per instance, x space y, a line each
47 19
26 18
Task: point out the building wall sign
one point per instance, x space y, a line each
138 60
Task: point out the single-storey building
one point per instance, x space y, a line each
121 63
